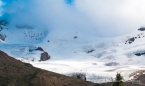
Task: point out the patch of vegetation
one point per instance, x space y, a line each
118 80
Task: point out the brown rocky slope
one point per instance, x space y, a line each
16 73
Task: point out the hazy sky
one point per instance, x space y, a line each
98 17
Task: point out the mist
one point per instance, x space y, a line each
101 18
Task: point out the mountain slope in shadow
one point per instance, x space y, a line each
16 73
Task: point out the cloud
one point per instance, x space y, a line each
1 9
117 17
96 17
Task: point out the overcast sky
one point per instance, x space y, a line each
105 18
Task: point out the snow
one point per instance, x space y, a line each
69 55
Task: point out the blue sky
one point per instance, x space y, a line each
69 2
8 1
99 17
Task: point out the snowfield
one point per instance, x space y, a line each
98 58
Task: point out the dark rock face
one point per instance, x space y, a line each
3 37
2 24
90 51
75 37
44 56
112 64
139 54
35 49
130 40
142 29
39 48
138 36
48 41
80 76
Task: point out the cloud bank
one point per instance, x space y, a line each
102 18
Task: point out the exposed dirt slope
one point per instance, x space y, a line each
16 73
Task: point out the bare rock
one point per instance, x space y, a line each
39 48
80 76
44 56
112 64
142 29
75 37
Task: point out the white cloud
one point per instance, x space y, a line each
119 16
97 17
1 9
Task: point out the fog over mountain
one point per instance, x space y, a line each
99 18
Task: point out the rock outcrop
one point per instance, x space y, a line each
132 39
44 56
112 64
79 76
142 29
39 48
139 54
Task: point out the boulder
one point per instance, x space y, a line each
79 76
2 37
75 37
142 29
44 56
48 41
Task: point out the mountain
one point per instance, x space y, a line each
98 58
16 73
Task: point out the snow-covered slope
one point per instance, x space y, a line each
77 52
